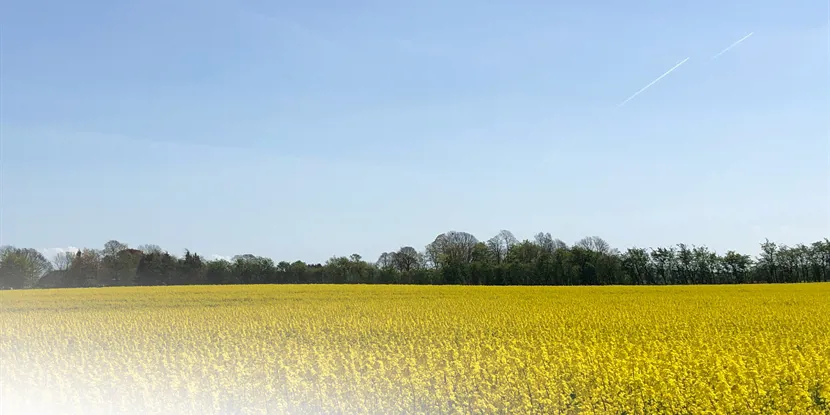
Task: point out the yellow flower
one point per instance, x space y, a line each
419 350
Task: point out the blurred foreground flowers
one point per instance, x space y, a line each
761 349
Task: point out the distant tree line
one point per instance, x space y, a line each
452 258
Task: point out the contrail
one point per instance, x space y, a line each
653 82
734 44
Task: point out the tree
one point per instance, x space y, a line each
218 272
86 269
521 261
244 257
501 244
407 259
821 260
452 248
156 268
63 260
736 268
191 269
664 265
451 253
636 267
252 269
119 263
113 247
301 272
594 244
150 249
386 260
22 267
684 264
768 262
705 265
548 243
452 258
52 279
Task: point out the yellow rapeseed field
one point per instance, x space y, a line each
761 349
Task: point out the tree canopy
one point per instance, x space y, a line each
451 258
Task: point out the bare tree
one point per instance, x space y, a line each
451 247
501 244
594 244
386 260
63 260
544 240
435 249
407 259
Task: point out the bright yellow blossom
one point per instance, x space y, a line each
761 349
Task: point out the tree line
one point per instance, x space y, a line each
452 258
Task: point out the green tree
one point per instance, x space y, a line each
86 269
736 268
156 268
119 263
22 267
191 269
452 258
218 272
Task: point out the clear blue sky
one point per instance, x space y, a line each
301 130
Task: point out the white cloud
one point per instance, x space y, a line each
216 257
50 253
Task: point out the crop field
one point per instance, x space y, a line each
760 349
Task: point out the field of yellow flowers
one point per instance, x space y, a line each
762 349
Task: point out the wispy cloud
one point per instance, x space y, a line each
653 82
738 42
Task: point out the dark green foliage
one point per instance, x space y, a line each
452 258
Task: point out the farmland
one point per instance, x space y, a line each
257 349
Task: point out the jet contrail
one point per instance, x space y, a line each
734 44
653 82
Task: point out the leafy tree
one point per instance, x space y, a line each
768 262
452 258
251 269
150 249
736 268
156 268
86 269
22 267
191 269
119 264
218 272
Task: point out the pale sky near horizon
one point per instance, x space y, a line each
302 130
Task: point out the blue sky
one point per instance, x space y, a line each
319 128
